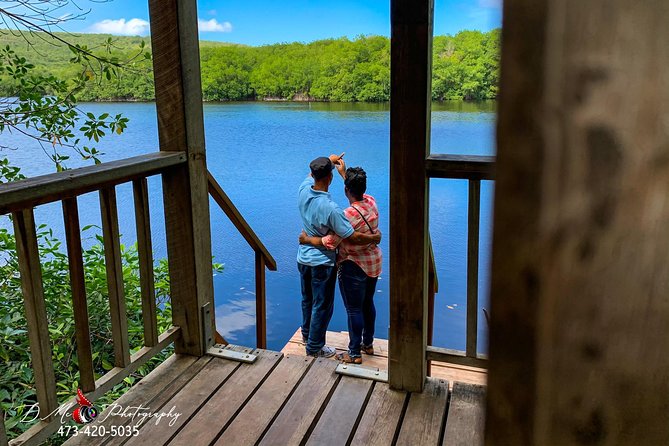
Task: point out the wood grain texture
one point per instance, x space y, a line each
78 288
225 402
473 220
340 417
36 318
70 183
117 307
470 167
301 411
250 423
466 416
424 416
261 306
410 90
189 398
145 254
174 41
164 381
580 277
381 418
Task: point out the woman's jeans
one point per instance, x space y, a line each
357 290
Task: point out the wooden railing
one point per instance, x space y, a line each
19 198
263 259
474 169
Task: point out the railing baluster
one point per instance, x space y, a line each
78 287
473 265
112 244
261 317
145 252
3 432
36 318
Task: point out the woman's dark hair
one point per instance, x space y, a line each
356 181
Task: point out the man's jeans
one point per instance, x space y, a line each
318 286
357 290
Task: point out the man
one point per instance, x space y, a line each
316 264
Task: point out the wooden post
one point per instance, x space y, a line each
117 308
36 317
261 307
473 219
176 68
145 255
410 91
78 286
580 274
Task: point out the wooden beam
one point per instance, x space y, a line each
580 275
117 308
474 213
36 317
450 356
470 167
261 306
43 189
176 68
79 301
410 90
145 253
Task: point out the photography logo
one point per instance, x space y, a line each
86 412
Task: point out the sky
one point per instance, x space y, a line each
258 22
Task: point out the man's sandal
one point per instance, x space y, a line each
367 349
348 359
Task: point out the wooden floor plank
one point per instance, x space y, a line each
190 397
424 416
176 368
440 370
381 417
249 425
466 416
338 420
209 420
297 416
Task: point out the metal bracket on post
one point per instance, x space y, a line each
359 371
206 326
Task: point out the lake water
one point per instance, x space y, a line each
259 153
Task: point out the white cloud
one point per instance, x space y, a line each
121 27
214 25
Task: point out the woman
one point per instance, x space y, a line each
359 266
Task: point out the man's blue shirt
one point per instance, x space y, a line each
319 215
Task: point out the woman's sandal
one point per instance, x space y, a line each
348 359
367 349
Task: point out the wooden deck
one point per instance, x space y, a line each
286 399
339 340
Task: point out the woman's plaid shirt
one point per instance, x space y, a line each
367 257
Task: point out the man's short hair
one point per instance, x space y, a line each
321 167
356 181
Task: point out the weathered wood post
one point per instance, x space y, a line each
176 67
410 92
580 269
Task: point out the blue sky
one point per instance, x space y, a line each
269 21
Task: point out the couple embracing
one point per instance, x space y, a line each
336 243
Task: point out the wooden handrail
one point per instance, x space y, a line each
263 259
468 167
226 205
43 189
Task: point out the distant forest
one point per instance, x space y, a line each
465 66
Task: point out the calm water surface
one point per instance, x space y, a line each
259 152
